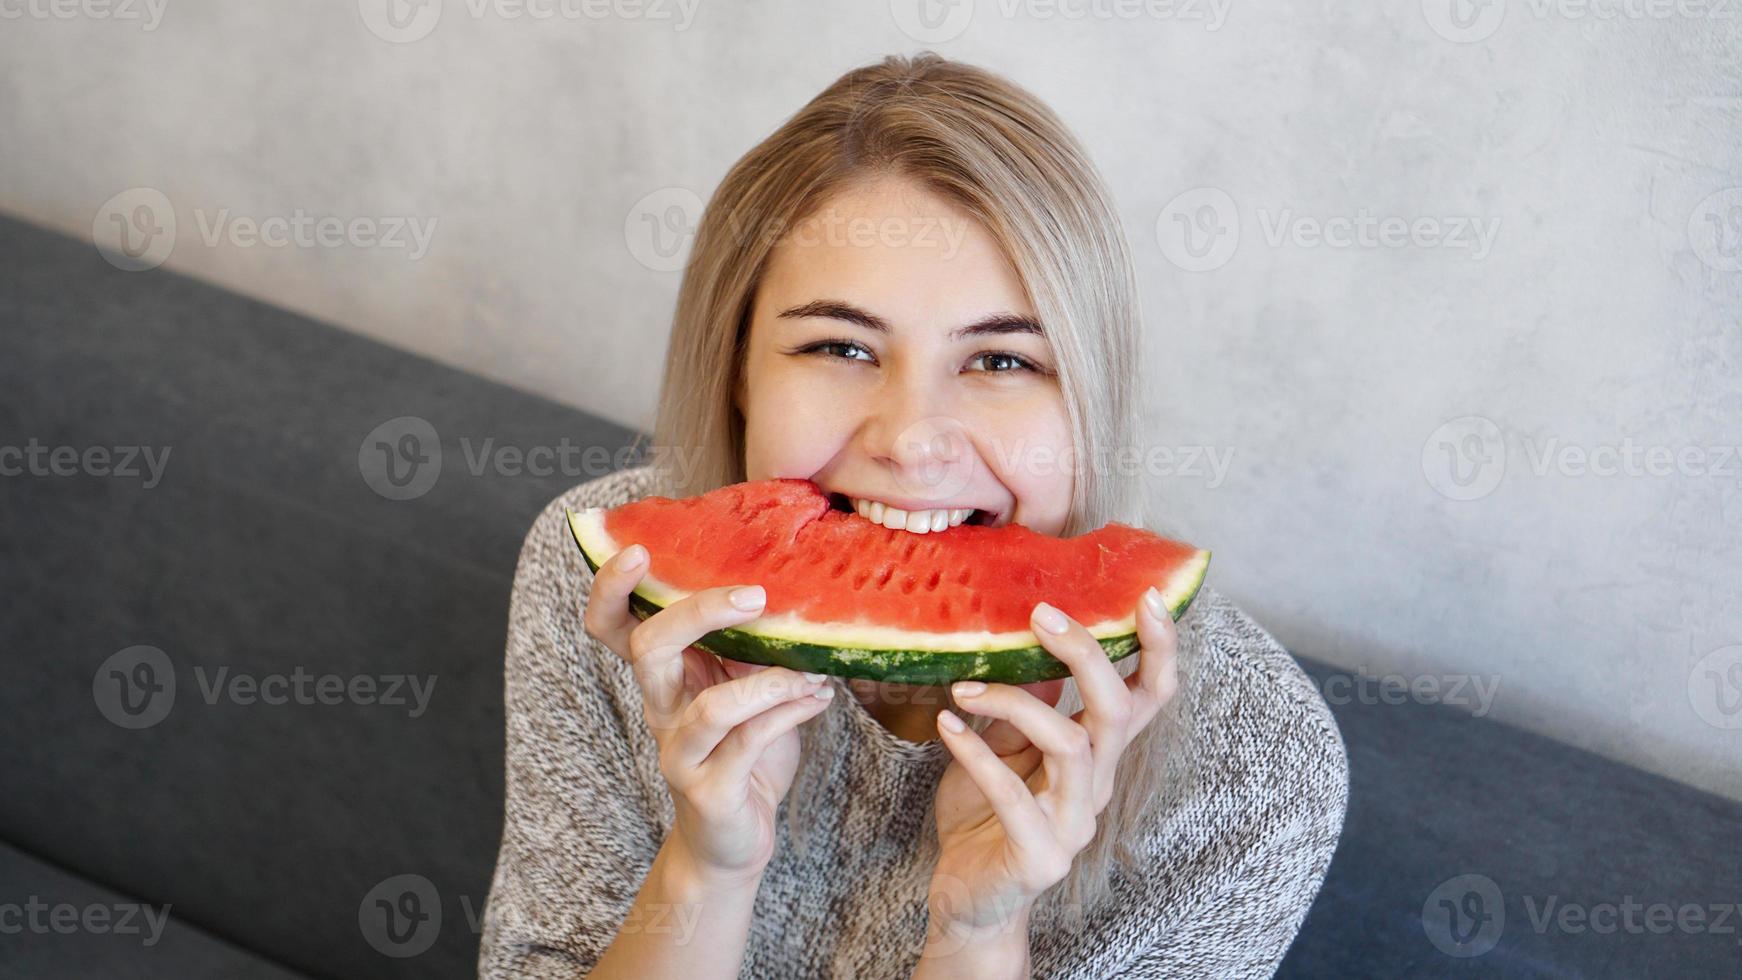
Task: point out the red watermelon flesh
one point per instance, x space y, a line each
893 600
832 566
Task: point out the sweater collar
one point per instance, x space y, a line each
882 743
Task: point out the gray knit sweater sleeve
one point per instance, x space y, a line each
1230 858
579 829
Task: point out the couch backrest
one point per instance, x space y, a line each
242 529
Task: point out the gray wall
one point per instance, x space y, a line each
1560 273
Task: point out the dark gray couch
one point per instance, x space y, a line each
323 839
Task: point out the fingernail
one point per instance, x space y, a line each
824 694
948 719
632 558
1156 607
1050 619
748 597
814 678
968 689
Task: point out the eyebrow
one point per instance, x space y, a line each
996 323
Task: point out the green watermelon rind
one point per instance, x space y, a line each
1022 663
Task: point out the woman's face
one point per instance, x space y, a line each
894 359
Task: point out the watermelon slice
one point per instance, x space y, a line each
856 599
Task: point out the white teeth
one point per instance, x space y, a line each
918 522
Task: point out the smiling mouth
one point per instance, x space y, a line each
933 520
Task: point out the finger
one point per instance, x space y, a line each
1064 747
719 709
1106 700
1024 822
1157 677
656 646
734 669
702 670
742 748
608 617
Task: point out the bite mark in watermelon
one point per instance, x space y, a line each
856 599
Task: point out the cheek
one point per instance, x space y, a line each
1029 450
788 430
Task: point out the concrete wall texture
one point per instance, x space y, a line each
1451 288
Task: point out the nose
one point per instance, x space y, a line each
925 447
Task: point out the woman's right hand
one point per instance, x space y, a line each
727 732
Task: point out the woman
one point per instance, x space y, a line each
916 294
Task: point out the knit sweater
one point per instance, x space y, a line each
1230 859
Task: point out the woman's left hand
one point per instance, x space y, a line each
1021 800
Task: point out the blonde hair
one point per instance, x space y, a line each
1000 154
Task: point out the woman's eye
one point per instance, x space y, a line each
829 346
1014 362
